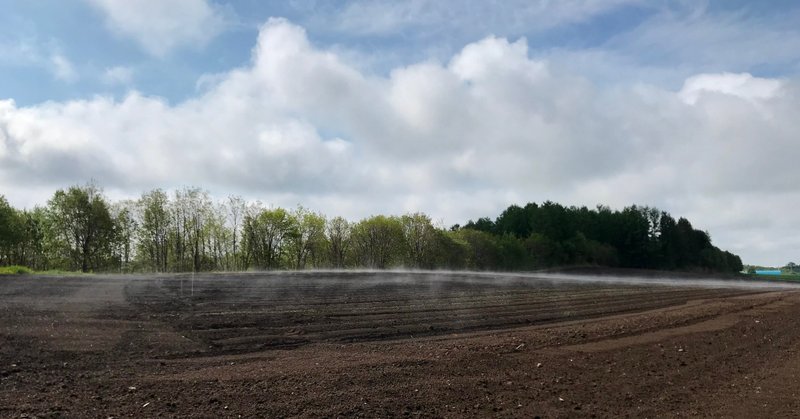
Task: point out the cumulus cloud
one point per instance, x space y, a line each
458 139
160 26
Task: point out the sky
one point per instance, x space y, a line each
453 108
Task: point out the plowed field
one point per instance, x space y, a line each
392 344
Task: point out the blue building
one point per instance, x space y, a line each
771 272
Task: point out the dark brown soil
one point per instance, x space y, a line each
392 344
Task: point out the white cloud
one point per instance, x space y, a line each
744 86
63 69
31 53
460 139
161 26
117 75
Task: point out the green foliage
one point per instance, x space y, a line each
793 277
337 241
378 242
636 237
450 252
15 270
482 251
30 250
306 239
11 230
187 231
266 233
420 240
82 227
154 230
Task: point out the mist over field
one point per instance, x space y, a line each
247 343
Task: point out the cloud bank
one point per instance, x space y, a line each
457 139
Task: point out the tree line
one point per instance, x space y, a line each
641 237
187 231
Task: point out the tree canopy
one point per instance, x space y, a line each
79 229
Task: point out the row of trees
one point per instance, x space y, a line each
636 237
79 229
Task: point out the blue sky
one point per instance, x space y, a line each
454 108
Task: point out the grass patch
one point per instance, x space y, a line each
790 277
24 270
781 277
15 270
62 273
